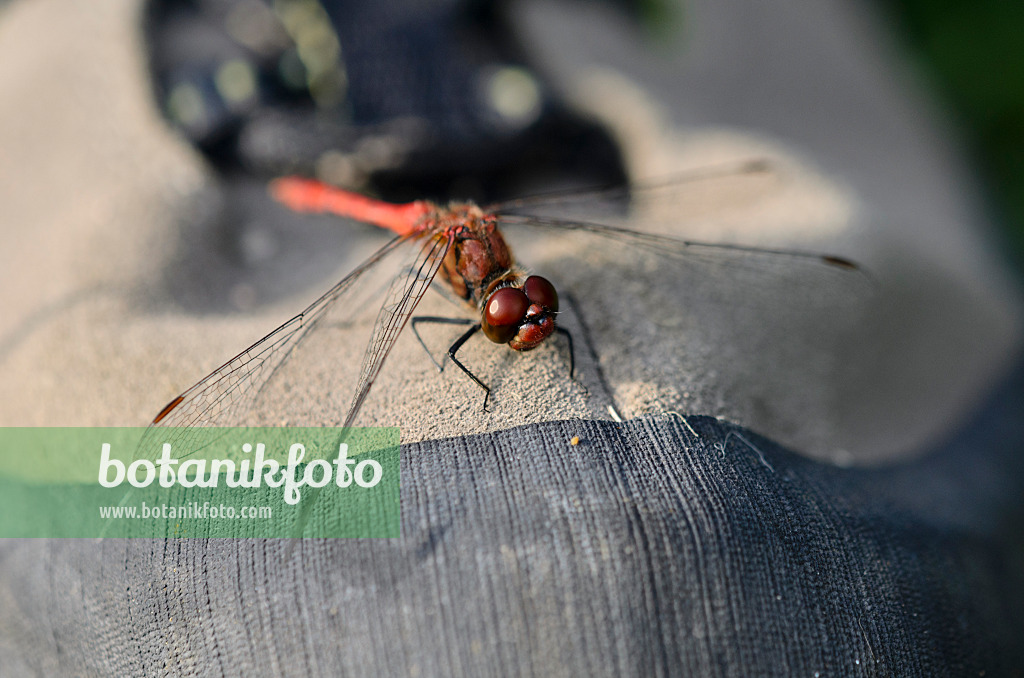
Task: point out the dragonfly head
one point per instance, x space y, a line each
521 317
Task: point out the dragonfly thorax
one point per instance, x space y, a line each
478 256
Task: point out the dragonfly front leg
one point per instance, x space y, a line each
572 353
455 349
438 320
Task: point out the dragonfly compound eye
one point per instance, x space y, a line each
541 292
503 314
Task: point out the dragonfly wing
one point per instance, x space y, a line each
223 397
708 254
403 295
746 178
692 195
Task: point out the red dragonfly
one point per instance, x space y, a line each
463 244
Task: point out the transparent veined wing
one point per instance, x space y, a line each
227 396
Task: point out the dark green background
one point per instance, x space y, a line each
971 55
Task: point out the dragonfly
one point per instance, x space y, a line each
461 245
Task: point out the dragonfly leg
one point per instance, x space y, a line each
437 320
455 349
572 353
